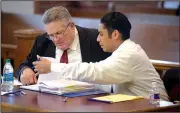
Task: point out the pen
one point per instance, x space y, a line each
12 92
22 92
38 59
65 100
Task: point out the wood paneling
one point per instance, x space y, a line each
12 22
42 6
80 8
160 42
25 40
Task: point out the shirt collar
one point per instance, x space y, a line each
124 44
75 42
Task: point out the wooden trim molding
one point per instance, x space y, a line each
164 65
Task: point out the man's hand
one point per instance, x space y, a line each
28 77
42 66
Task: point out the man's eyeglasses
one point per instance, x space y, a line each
58 34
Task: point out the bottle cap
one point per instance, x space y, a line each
8 60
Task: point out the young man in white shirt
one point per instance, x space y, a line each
129 68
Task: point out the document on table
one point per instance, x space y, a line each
60 86
49 76
115 98
54 84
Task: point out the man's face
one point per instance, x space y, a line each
61 33
104 40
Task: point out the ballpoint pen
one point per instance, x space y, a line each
38 59
65 100
22 92
14 92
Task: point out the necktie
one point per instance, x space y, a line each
64 57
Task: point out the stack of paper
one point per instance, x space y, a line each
60 86
55 84
63 86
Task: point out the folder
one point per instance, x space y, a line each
14 91
115 98
85 93
61 87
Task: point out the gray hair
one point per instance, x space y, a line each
56 13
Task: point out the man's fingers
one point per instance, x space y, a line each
36 70
24 80
35 62
42 59
37 74
35 79
31 80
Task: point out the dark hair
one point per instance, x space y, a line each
118 21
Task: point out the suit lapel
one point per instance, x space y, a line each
50 52
84 44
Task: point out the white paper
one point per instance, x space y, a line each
34 87
17 83
3 93
60 86
49 76
62 83
165 103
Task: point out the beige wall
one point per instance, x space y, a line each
22 7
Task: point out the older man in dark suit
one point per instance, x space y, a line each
64 41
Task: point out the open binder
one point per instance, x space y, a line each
65 87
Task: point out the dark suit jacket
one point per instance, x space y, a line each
90 49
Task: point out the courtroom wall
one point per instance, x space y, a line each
22 7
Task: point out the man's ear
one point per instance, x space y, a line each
116 34
72 26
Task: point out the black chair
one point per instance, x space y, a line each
171 81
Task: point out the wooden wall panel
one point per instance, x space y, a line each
160 42
12 22
76 8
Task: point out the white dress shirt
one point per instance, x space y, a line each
128 67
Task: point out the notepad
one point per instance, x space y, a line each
115 98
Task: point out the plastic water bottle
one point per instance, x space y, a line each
8 76
154 94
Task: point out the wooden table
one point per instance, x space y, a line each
41 102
